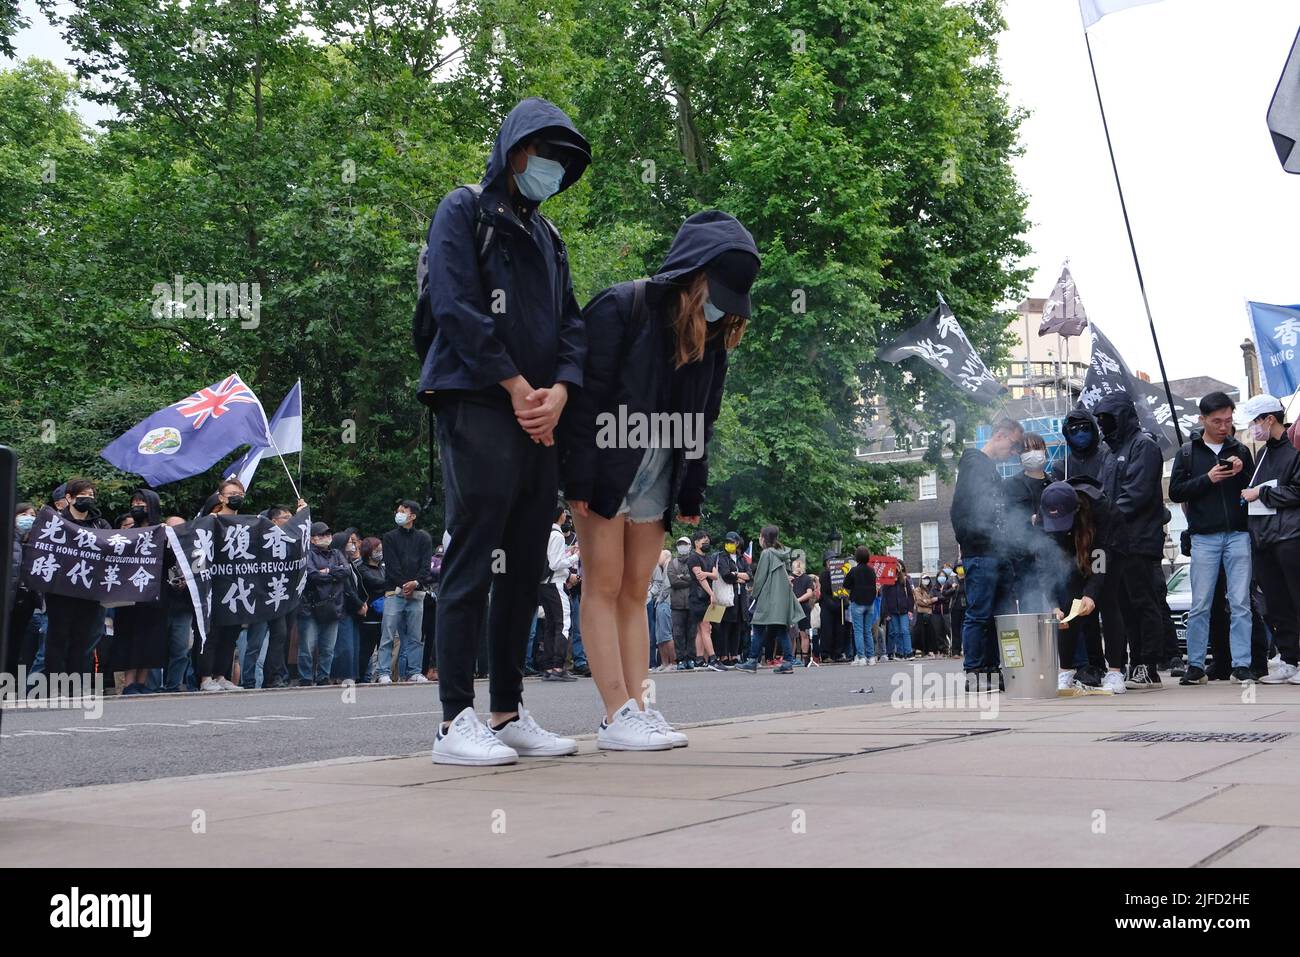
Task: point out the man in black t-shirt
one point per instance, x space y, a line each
702 567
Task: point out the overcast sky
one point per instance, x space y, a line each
1186 85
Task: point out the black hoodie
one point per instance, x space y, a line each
632 365
1132 481
1090 461
509 310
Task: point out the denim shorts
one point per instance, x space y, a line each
647 497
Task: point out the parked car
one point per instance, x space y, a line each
1179 592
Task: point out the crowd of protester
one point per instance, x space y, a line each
1085 540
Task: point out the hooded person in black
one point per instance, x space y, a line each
1085 452
509 345
1133 600
635 443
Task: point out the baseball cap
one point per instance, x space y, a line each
730 275
1258 405
1057 506
319 528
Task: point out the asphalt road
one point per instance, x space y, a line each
155 736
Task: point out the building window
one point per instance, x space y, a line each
929 547
929 486
896 546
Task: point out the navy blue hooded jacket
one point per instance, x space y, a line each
634 366
537 330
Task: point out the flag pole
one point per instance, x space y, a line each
1169 394
280 456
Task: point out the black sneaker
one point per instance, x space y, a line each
785 668
716 665
1194 676
1243 676
568 676
1177 667
583 672
552 676
1218 674
1143 678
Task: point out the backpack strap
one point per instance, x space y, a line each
484 228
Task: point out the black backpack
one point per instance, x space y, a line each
423 324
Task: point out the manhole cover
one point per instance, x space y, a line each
1237 737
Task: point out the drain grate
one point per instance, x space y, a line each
1236 737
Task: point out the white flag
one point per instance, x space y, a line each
1094 10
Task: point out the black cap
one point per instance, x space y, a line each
318 529
731 274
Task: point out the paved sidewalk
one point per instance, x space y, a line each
877 785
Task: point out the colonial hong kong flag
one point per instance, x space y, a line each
186 438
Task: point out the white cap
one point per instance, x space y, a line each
1258 405
683 540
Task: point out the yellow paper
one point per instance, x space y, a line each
1076 609
715 613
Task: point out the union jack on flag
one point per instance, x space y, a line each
213 401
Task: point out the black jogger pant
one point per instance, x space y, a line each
501 490
554 638
1276 571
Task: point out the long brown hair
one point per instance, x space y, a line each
1083 535
690 328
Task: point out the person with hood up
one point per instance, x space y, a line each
775 605
1134 603
1085 452
656 353
1273 500
140 633
509 345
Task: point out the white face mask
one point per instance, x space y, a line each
1033 460
683 549
1259 431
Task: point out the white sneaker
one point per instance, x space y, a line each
417 679
228 685
1114 682
1282 674
530 740
210 684
469 741
660 723
1294 679
871 660
1064 680
385 680
630 731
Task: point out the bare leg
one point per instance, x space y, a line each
602 544
642 543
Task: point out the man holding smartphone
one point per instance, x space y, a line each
1209 474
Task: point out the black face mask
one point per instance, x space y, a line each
140 513
84 503
236 502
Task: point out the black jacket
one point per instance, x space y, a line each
631 371
1132 481
860 583
977 504
1211 508
327 574
511 310
1092 460
408 556
1280 461
1065 580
